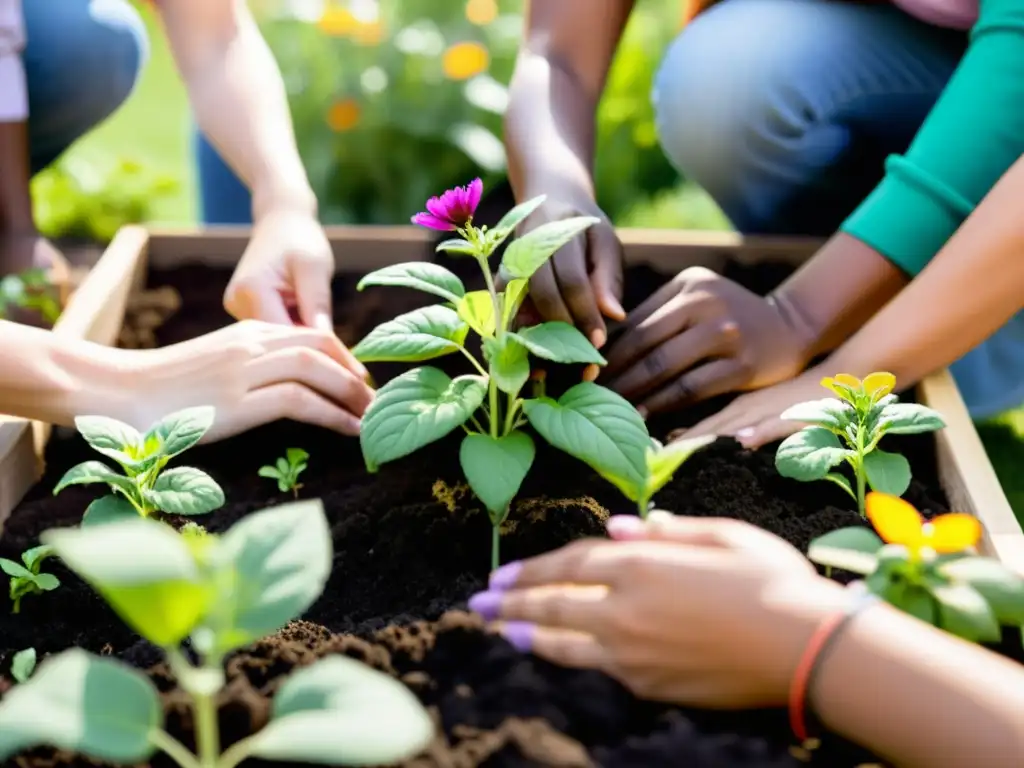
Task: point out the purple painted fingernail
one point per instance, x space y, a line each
487 604
505 577
519 634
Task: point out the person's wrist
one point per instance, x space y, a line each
275 197
92 379
803 332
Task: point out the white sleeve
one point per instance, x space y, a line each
13 89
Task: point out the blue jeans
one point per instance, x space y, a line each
223 198
82 61
784 111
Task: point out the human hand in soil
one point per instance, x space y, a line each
702 335
696 611
582 283
28 250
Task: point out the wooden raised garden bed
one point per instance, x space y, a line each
411 543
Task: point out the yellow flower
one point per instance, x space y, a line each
343 115
880 384
465 60
843 380
337 21
481 12
368 32
897 522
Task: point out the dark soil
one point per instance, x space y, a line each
411 545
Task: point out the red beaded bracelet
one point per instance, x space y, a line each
813 656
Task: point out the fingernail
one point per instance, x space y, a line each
598 337
624 526
519 634
487 604
505 577
643 412
590 372
659 516
745 434
322 322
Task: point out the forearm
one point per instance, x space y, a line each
239 99
918 696
15 201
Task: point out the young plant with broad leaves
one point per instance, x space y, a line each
848 428
222 592
144 486
26 578
928 568
662 462
23 665
286 470
425 404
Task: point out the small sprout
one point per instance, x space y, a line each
23 665
286 471
849 429
145 487
25 576
267 570
29 290
663 461
928 569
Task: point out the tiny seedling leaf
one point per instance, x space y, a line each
526 254
23 665
596 426
108 509
110 437
663 461
1002 589
419 275
90 473
509 363
272 472
181 430
909 419
965 613
457 245
887 472
82 703
828 412
559 342
414 410
842 482
476 309
496 467
34 557
185 491
14 570
518 215
296 456
45 582
341 712
809 454
422 334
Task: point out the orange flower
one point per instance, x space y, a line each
481 12
343 115
337 21
465 60
368 33
897 522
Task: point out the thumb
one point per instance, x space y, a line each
606 278
664 526
313 295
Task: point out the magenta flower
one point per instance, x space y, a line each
453 209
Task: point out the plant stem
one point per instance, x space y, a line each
173 748
204 709
510 415
495 545
236 753
473 360
492 392
860 471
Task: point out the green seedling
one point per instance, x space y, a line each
29 290
145 486
286 471
23 665
423 405
25 576
224 592
848 429
928 568
662 462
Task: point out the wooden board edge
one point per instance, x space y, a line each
967 474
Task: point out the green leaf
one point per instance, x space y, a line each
664 461
185 491
272 472
964 612
514 296
887 472
144 570
34 557
46 582
92 472
526 254
110 437
15 570
596 426
414 410
809 454
1002 589
98 707
912 599
108 509
496 467
476 309
909 419
842 482
518 215
852 549
181 430
422 334
828 412
283 467
341 712
419 275
560 342
23 665
457 245
296 456
509 363
279 560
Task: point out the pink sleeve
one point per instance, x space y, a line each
13 90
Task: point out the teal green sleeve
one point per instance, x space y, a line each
972 136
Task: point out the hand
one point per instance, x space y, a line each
753 419
704 612
252 372
702 335
23 251
582 283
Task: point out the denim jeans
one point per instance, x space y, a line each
223 198
784 111
82 60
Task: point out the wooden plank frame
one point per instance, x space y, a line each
96 312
